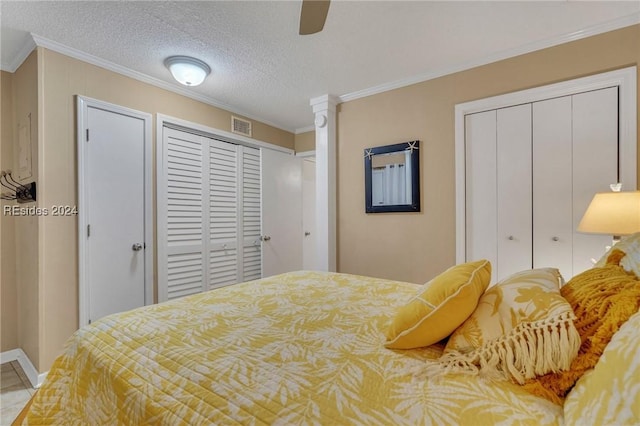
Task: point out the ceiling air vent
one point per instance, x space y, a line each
240 126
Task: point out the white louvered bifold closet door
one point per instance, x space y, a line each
180 216
223 214
207 188
251 214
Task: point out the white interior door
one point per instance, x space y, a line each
309 214
112 200
281 212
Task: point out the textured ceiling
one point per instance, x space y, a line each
263 68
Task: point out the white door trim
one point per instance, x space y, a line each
624 78
83 104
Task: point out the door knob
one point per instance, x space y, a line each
307 233
510 237
136 247
555 239
265 238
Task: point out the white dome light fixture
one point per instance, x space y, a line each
186 70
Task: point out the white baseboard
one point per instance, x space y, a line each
34 377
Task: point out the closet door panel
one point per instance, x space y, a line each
552 186
251 214
181 263
223 213
514 190
595 164
481 191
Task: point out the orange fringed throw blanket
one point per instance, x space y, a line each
602 299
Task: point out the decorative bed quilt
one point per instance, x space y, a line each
298 348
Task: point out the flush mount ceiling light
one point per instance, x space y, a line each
186 70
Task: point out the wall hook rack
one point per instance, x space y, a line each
23 193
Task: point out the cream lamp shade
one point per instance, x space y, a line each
613 213
186 70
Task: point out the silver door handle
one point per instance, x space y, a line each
307 233
265 238
555 239
510 238
136 247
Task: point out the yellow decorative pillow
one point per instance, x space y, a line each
602 299
521 328
610 393
440 306
630 246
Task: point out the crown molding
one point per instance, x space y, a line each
615 24
305 129
175 88
20 57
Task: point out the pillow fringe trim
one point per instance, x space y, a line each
531 349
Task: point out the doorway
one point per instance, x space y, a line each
281 212
115 239
229 209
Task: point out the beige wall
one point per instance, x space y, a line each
20 285
305 141
62 79
8 287
26 95
416 246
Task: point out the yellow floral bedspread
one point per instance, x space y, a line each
299 348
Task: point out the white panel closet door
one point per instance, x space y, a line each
595 164
481 195
514 190
180 215
552 185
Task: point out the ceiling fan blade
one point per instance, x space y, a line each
313 15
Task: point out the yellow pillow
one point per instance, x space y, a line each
440 306
521 328
602 300
630 246
610 393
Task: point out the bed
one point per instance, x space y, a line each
299 348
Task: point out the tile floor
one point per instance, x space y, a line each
15 392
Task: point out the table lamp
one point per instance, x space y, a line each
613 213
